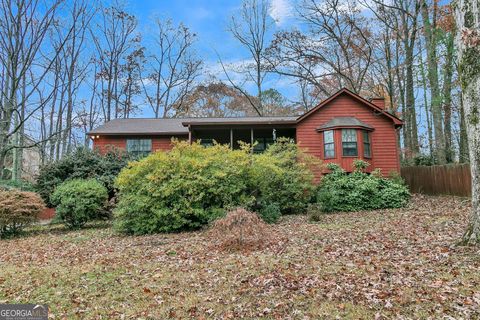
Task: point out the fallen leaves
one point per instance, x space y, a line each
400 263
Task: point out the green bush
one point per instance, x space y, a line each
83 163
191 185
340 191
314 212
18 209
270 213
281 176
182 189
79 201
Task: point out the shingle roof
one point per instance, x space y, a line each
241 120
135 126
178 126
344 122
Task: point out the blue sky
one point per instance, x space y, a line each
209 19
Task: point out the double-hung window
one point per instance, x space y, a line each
139 147
367 149
349 142
328 144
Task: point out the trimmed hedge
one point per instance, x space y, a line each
79 201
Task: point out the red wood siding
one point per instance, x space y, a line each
383 138
47 214
164 143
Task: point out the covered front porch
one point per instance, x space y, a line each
258 136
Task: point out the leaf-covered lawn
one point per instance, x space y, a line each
382 264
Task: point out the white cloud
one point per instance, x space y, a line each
200 13
280 10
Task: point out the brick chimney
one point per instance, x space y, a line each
379 102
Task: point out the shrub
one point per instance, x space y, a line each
81 164
340 191
360 165
314 212
182 189
270 213
419 160
79 201
282 176
240 230
191 185
18 209
395 177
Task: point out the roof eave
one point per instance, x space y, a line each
92 133
186 124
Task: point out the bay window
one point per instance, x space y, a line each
349 142
328 144
367 151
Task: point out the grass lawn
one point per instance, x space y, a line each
368 265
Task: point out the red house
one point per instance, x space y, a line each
341 129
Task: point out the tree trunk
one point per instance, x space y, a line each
410 101
19 137
432 74
467 16
447 98
463 145
427 109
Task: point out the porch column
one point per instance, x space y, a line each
189 134
231 139
251 139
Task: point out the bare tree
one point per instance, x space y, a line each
131 81
23 30
172 68
80 16
401 18
114 37
429 17
250 28
334 53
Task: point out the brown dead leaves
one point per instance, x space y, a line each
400 263
241 230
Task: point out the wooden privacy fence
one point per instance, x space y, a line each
437 180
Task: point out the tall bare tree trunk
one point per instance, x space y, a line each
410 101
447 97
432 74
463 144
19 137
467 16
427 109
